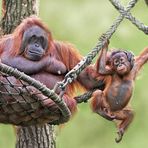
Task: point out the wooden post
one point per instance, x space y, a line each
36 137
14 11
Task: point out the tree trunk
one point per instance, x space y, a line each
14 11
36 137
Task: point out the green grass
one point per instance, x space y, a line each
81 22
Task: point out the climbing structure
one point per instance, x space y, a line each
25 106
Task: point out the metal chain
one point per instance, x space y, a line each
73 74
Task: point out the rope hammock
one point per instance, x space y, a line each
26 106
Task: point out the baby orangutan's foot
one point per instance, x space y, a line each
120 135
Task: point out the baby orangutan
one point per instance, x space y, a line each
119 70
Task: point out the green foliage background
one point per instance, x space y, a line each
81 22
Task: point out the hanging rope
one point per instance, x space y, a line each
27 99
73 74
128 15
124 13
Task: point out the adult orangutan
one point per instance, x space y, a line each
31 49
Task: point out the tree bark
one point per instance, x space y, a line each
36 137
14 11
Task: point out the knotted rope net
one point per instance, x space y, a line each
25 101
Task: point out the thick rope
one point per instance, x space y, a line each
84 97
128 15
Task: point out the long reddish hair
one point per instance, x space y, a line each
70 56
